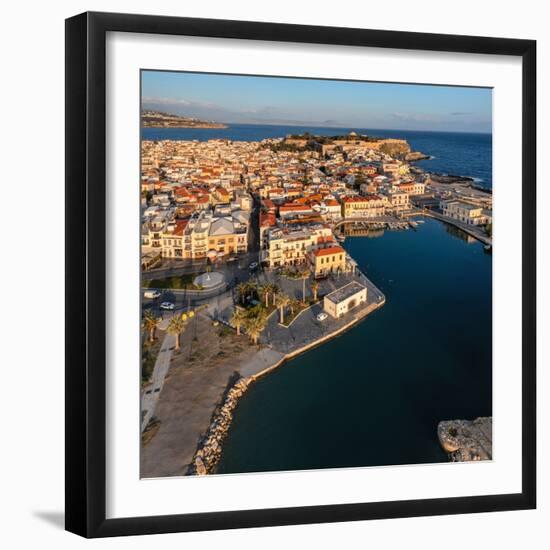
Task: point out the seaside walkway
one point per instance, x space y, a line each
150 395
306 331
472 230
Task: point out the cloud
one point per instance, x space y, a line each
181 102
413 117
461 113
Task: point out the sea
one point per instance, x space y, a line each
463 154
374 395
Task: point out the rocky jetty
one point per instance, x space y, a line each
449 179
210 447
416 155
467 440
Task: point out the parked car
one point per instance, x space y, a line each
321 316
152 294
169 306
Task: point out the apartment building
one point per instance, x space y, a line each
291 246
464 212
325 261
368 206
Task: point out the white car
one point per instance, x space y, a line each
321 316
152 294
169 306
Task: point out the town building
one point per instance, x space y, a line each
464 212
397 200
290 246
343 300
325 261
412 188
368 206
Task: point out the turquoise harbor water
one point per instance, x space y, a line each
374 395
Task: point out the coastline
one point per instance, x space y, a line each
209 450
187 126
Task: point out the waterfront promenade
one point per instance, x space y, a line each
192 391
280 344
475 231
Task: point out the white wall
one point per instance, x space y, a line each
31 134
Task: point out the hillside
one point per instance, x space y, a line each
157 119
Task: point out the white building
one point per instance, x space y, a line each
343 300
464 212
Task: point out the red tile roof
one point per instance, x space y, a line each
331 250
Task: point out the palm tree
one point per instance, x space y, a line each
238 319
282 301
265 290
255 326
314 289
294 305
304 275
242 292
175 327
150 323
274 291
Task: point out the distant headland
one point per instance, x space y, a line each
157 119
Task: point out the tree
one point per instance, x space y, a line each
255 326
294 305
242 290
238 319
304 275
175 327
150 323
274 291
282 301
314 289
265 290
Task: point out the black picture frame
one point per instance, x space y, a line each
86 275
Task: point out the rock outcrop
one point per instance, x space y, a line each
210 448
416 155
467 440
449 179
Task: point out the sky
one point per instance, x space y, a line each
310 102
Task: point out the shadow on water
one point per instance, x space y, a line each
459 234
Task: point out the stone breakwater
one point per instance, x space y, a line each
210 448
467 440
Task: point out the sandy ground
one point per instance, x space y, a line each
193 386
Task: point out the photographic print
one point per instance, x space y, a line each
316 273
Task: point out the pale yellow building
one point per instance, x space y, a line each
225 239
464 212
368 206
325 261
286 247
